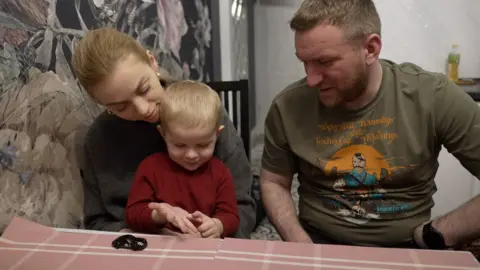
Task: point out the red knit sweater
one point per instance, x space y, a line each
209 189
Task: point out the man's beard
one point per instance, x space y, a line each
357 87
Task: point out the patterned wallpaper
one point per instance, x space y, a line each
43 111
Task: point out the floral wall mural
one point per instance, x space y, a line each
43 110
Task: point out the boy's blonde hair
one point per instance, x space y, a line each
190 104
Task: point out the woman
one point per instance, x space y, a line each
121 75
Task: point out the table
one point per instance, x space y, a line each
26 245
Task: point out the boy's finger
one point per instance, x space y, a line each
194 219
198 214
210 233
180 224
189 225
205 227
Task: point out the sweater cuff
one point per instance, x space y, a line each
147 221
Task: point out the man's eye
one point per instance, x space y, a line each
325 62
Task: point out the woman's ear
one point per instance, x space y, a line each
153 60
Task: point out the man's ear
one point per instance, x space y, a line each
220 128
373 46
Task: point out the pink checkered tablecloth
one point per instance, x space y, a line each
26 245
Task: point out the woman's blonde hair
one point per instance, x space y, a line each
99 51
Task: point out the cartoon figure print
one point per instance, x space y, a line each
356 186
361 172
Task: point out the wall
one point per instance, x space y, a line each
44 112
419 31
413 30
275 61
422 32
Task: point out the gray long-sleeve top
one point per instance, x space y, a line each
115 147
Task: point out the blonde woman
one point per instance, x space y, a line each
120 74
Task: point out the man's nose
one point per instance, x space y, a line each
314 74
314 79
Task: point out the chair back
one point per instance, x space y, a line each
235 98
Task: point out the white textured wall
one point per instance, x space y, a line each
275 62
423 31
419 31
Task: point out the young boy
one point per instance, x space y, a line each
187 189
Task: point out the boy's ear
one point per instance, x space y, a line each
220 128
161 130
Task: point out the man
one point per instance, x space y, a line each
363 135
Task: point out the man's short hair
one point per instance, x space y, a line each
358 18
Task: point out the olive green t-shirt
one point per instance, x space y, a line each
367 176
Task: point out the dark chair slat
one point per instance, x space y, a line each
235 99
234 107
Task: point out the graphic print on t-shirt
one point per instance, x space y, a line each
361 170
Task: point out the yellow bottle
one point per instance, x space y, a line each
453 63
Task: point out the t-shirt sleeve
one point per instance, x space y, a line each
277 156
226 208
457 124
137 214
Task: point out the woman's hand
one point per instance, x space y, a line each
163 213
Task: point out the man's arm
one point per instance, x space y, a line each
96 216
461 225
276 196
457 124
278 168
230 151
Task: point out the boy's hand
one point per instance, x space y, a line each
163 213
168 232
208 227
126 230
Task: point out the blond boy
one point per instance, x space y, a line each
187 189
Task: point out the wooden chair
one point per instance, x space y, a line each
235 98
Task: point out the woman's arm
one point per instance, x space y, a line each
230 151
226 209
96 217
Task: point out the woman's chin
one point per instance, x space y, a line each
152 120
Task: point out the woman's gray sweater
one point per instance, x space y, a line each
115 147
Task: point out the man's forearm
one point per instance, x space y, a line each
281 212
460 225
